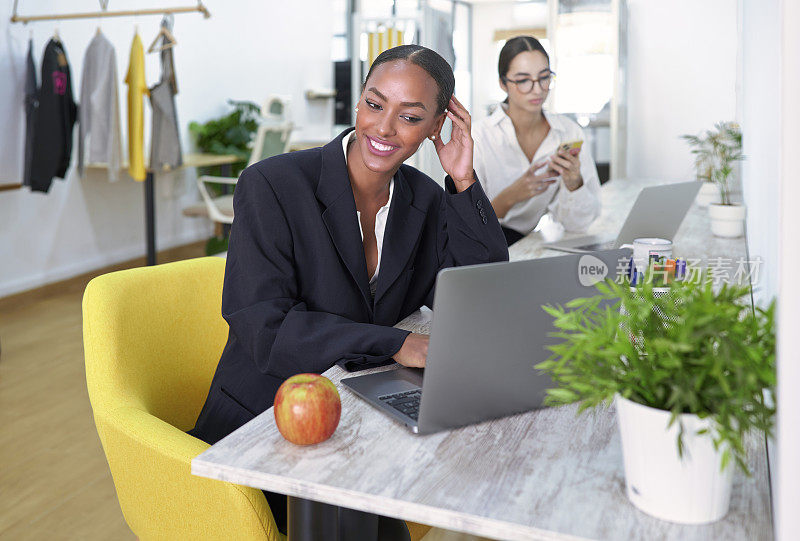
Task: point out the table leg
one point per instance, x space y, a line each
150 217
227 170
311 521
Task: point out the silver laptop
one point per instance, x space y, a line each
488 331
657 212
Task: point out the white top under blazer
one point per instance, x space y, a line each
380 219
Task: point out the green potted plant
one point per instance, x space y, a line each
688 372
701 148
718 151
233 134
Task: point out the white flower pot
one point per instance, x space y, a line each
727 220
688 490
709 193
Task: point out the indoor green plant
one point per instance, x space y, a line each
716 153
231 133
696 361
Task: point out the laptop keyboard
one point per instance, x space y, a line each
406 402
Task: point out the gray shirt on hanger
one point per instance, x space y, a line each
165 144
98 114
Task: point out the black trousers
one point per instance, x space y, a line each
512 236
314 521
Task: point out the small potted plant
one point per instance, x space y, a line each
688 372
727 217
719 150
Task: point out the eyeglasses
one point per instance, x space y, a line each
526 85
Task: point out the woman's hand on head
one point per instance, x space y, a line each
569 167
456 155
414 351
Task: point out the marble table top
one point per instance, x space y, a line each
693 239
547 474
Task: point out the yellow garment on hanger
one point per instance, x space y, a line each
137 88
394 38
383 39
374 45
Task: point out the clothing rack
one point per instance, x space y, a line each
149 182
95 14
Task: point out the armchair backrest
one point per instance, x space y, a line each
153 337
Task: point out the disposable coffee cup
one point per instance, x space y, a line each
643 248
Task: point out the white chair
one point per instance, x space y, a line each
271 140
277 109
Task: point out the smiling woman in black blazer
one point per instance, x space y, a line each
332 246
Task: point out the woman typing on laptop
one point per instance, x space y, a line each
333 246
529 161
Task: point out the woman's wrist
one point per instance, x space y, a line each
502 203
572 186
463 183
511 195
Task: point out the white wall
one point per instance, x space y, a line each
760 46
681 79
246 50
788 482
761 121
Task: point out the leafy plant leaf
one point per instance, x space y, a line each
697 350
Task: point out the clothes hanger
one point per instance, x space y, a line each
168 41
103 7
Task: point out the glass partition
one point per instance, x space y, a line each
585 40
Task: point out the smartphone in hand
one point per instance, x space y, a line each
573 147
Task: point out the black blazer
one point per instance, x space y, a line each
296 293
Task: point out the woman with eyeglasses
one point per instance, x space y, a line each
517 156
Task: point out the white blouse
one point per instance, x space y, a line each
499 161
380 219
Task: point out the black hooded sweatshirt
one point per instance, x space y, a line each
55 119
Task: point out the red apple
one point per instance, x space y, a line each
307 409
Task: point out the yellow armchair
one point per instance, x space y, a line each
152 339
